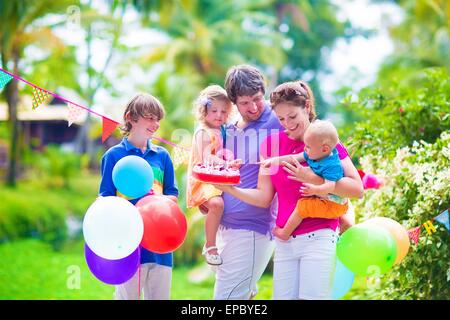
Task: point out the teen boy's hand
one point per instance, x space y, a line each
173 198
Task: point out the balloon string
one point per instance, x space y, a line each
139 281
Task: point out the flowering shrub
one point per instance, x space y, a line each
416 189
394 117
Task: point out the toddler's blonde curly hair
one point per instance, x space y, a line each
206 98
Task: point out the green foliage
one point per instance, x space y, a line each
191 250
54 166
45 274
309 28
33 209
397 116
415 190
421 40
4 133
26 214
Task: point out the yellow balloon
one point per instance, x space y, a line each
397 231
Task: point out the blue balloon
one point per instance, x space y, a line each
343 280
133 176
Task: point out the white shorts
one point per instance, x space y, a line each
245 255
155 282
304 266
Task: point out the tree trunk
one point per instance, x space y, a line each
12 98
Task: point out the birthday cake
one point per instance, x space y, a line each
216 174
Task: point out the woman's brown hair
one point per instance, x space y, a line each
296 93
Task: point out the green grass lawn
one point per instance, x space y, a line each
31 269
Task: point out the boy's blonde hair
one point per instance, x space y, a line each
205 99
141 105
325 131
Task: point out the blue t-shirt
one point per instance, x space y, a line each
245 145
329 168
164 182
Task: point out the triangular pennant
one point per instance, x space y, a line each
429 227
73 113
443 218
414 234
39 96
4 79
180 156
108 127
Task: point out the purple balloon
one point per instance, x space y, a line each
112 271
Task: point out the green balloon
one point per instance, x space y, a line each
367 250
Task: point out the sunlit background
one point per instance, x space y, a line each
379 70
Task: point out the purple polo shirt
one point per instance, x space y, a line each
245 144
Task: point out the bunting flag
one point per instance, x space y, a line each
180 156
39 97
429 227
4 79
73 113
443 218
414 234
108 127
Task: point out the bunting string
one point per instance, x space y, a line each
51 93
39 95
414 233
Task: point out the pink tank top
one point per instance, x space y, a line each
279 144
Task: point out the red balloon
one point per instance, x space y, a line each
165 225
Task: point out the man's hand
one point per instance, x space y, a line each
173 198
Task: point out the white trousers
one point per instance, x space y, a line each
245 255
304 266
155 282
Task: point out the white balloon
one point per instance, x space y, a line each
112 228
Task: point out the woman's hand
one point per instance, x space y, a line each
296 171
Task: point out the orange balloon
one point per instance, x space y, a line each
397 231
165 225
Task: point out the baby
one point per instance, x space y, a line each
320 153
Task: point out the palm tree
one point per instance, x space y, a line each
421 40
16 19
110 26
207 37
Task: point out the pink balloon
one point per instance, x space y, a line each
370 181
